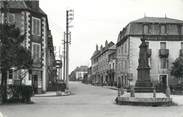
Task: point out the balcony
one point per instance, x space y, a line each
181 52
149 52
163 53
110 71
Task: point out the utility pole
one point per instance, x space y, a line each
69 18
64 58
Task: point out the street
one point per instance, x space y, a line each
87 101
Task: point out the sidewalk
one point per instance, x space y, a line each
53 94
47 94
111 87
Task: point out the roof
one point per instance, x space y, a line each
21 5
157 20
135 28
102 50
112 47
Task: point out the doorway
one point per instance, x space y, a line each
35 83
163 82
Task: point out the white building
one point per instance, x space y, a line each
164 37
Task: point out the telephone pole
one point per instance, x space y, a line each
64 57
69 18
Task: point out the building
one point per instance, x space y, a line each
111 72
33 22
78 73
164 37
51 62
100 64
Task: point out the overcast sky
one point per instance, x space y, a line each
99 20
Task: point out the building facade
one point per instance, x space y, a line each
164 37
111 72
100 64
79 73
33 23
51 62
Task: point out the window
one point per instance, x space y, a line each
146 30
181 45
11 18
163 29
164 63
125 47
122 49
36 26
36 52
182 29
119 51
10 74
162 45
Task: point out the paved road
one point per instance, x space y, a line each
87 101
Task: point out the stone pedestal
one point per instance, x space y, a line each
143 83
144 94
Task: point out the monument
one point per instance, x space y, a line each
143 83
143 93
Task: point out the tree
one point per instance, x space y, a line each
12 53
177 68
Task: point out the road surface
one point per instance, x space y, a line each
87 101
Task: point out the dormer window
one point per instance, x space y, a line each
36 26
163 29
182 29
146 29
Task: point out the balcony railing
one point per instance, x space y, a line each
163 53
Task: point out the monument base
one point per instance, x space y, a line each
144 99
143 89
143 83
143 86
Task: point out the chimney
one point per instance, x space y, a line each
96 47
106 43
101 47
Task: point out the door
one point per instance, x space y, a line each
163 82
35 83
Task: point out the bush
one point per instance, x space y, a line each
20 93
61 86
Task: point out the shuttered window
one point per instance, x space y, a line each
36 52
36 26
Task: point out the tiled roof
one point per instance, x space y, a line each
136 27
20 5
157 20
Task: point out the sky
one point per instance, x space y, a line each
96 21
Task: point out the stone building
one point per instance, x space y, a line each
100 64
78 73
33 22
111 72
51 62
164 37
